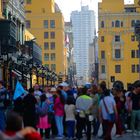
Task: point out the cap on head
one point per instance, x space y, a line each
118 85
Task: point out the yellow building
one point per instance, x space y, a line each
118 48
45 21
1 9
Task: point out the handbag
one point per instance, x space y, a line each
111 116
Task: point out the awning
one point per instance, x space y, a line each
18 73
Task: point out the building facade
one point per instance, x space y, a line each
45 21
118 47
83 26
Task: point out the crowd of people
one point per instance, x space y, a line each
63 112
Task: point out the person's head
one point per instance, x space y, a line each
36 87
46 89
53 91
70 100
136 86
118 88
43 98
106 92
31 91
94 89
84 91
102 86
13 122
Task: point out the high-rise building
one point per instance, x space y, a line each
118 48
45 20
83 24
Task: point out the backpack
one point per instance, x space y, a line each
42 109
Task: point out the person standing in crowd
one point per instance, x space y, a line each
135 111
107 114
37 92
83 106
59 113
29 110
70 118
43 123
96 99
3 94
118 88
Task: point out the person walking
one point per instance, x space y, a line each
59 113
29 110
43 123
70 118
107 114
135 111
83 106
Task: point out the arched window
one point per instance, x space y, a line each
102 24
117 23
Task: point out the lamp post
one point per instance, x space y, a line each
30 72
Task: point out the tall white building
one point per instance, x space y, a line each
83 24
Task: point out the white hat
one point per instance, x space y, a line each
53 89
64 84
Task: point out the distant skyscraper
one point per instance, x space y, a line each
83 23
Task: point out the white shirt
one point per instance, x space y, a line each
110 103
37 93
70 112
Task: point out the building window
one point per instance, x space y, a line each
117 53
52 45
52 35
28 12
102 24
102 39
133 68
28 1
103 69
117 23
132 53
46 65
53 57
137 53
117 38
121 24
102 54
132 38
138 68
46 45
52 23
45 23
46 35
112 23
46 57
53 67
28 24
132 23
117 68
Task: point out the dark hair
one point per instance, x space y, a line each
31 90
70 100
62 99
136 84
1 82
43 97
103 85
84 90
118 86
13 122
106 92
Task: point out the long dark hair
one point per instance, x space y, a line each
62 99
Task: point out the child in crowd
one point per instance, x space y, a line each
70 117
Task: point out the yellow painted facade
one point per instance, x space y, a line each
28 36
38 12
118 48
1 9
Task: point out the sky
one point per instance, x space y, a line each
67 6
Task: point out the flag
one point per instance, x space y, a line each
19 90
